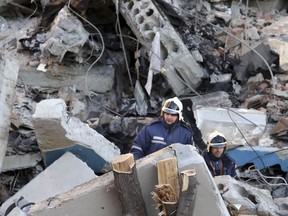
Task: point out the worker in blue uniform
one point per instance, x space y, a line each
161 132
217 161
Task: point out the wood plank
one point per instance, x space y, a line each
168 173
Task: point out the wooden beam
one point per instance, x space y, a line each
168 173
127 184
188 193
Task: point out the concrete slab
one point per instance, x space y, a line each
215 99
99 197
102 75
16 162
63 175
8 79
57 133
234 124
17 212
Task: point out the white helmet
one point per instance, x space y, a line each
216 139
173 106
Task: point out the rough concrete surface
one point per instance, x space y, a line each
56 130
63 175
98 197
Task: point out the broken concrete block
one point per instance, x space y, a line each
17 162
251 62
252 33
277 28
230 121
252 200
282 202
99 197
63 175
8 79
145 20
57 132
67 34
96 197
280 47
222 15
218 98
17 212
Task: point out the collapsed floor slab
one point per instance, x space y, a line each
99 197
61 176
8 79
57 132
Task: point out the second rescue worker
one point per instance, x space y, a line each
217 161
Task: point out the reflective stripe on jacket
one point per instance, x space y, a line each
157 135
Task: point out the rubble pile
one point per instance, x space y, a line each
99 70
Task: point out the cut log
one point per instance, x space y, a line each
168 173
188 193
127 184
166 200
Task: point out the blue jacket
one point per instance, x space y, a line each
158 135
223 166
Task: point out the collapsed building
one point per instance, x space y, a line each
95 70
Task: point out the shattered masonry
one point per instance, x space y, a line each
145 20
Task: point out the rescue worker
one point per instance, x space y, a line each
217 161
161 132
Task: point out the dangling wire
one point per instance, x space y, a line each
102 42
228 110
36 8
90 93
264 177
122 42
